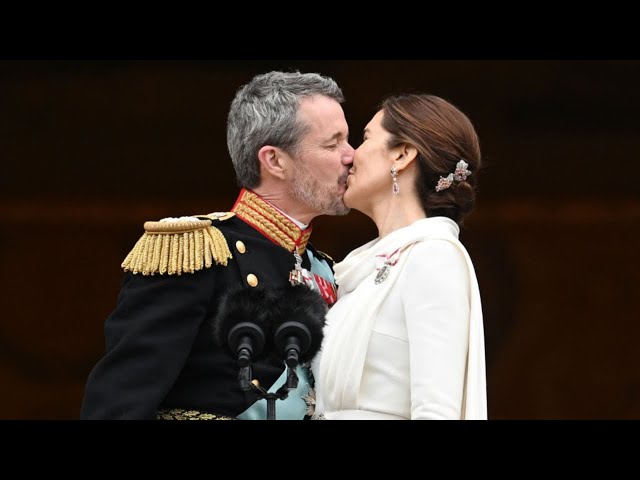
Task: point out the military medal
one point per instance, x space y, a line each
299 275
295 275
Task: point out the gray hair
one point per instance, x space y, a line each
265 112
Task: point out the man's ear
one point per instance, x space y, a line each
406 154
272 160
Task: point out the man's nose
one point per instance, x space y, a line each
347 158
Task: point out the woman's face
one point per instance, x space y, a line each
370 175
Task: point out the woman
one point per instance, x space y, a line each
405 339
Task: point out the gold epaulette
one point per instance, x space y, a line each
177 247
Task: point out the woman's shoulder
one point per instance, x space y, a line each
436 246
435 253
434 265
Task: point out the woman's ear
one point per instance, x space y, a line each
406 154
272 161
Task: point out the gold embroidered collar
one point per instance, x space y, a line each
265 218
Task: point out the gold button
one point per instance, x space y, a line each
240 247
255 382
252 280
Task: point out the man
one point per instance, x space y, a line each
288 140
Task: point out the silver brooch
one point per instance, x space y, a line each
388 261
382 275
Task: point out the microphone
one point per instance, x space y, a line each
247 339
246 320
298 321
243 324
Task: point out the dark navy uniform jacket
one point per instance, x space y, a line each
160 353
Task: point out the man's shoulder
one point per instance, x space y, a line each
179 245
220 218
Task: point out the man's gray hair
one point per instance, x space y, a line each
264 112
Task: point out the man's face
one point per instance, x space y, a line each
323 158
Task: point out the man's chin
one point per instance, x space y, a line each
343 212
337 211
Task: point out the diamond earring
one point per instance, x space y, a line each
394 176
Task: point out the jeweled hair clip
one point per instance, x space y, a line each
460 175
462 172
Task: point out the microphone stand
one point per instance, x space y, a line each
280 394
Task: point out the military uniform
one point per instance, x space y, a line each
161 360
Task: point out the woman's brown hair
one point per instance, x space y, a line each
443 136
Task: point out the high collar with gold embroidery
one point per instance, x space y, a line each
265 218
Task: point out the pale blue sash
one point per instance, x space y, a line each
291 408
320 267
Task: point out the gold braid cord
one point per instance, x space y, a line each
183 414
263 216
177 247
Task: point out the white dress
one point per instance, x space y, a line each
412 345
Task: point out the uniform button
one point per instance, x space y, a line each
252 280
240 247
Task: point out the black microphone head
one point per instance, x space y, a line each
253 305
299 304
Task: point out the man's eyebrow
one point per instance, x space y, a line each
335 136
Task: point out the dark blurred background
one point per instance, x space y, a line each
90 150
